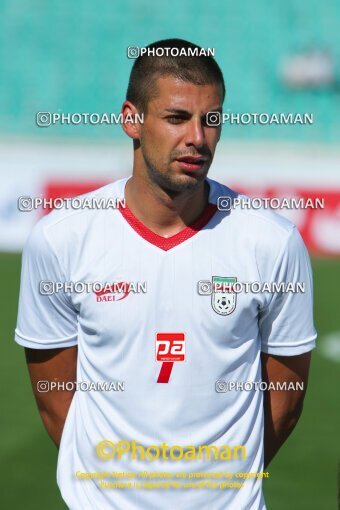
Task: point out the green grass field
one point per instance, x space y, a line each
302 477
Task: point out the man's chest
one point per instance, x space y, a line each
193 288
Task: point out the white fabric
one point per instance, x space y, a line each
116 341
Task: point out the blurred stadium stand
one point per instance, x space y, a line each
71 57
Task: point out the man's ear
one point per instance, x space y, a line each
131 120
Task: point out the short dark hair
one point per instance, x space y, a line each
200 70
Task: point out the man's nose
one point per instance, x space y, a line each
195 133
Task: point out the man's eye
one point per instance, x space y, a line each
175 119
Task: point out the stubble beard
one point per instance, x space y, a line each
168 181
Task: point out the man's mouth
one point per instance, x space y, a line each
192 162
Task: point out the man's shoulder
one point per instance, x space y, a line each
253 214
70 221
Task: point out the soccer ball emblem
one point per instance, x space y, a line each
222 303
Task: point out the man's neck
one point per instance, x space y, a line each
161 213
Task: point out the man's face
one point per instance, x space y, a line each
176 143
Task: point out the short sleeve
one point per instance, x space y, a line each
45 321
286 322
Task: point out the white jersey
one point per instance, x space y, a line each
172 338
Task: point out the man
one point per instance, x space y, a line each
171 344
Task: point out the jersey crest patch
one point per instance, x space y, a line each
223 299
223 296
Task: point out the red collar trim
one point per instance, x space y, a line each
166 243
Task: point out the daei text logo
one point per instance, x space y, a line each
170 347
119 290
